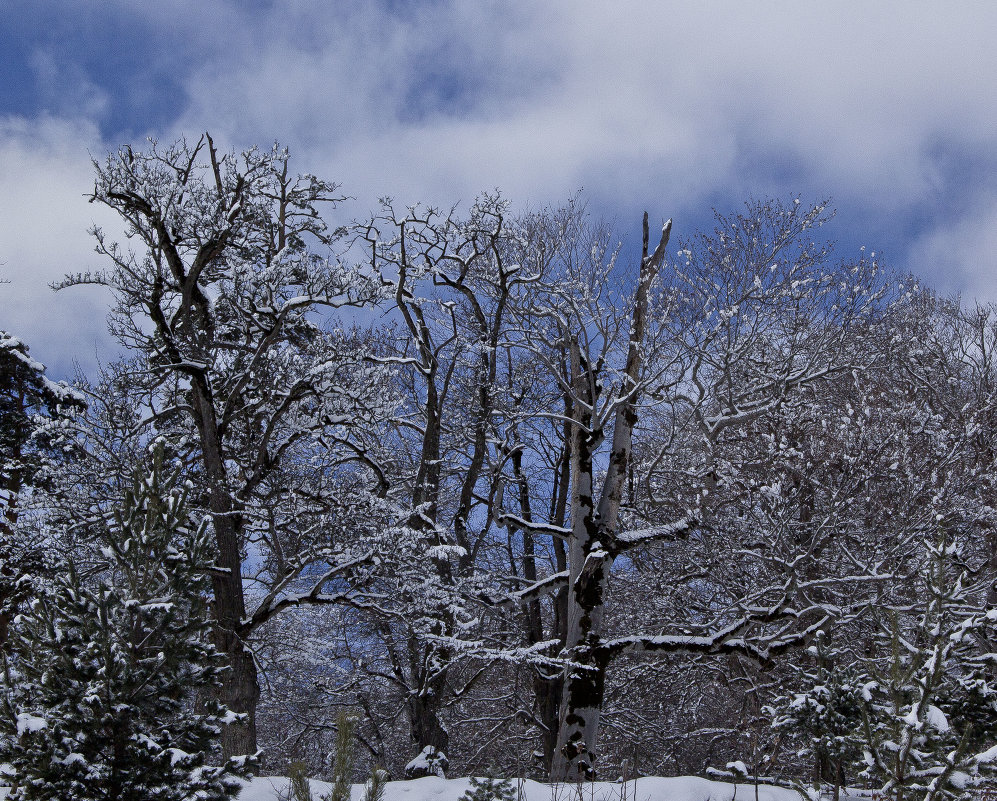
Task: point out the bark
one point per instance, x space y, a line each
425 698
584 684
426 726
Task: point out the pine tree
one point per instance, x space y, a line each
32 412
103 672
917 714
930 709
489 789
31 408
342 765
826 715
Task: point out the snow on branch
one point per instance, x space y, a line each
508 519
679 528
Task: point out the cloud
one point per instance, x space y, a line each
673 103
960 255
672 107
44 236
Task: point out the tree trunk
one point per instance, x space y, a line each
547 695
239 692
584 683
426 726
594 542
240 689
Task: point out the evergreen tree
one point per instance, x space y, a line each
31 408
32 412
929 710
103 673
826 714
917 714
489 789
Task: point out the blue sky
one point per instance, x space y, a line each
888 108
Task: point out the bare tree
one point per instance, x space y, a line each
750 319
214 293
449 283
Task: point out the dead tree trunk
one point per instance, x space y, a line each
594 526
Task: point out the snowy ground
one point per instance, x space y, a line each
681 788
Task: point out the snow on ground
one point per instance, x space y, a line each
431 788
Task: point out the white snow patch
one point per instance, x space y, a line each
936 719
29 723
432 788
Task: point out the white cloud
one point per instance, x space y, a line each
679 98
961 255
665 106
46 174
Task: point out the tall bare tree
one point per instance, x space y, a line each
226 262
739 327
449 284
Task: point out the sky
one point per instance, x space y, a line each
888 109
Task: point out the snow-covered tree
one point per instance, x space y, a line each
33 411
106 680
549 479
449 282
929 707
914 442
571 346
825 715
746 323
216 296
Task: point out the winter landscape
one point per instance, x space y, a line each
331 472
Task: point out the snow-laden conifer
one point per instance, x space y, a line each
108 677
33 413
929 707
825 714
